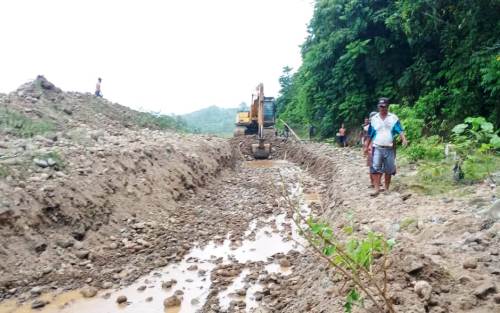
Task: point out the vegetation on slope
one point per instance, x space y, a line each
440 58
212 120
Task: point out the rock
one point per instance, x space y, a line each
41 163
285 263
195 301
121 299
141 288
51 162
494 210
178 292
414 266
149 299
88 292
464 279
40 246
79 233
168 284
82 254
38 304
484 289
36 291
470 263
423 289
107 285
467 303
496 298
193 267
65 243
172 301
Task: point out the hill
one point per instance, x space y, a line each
211 120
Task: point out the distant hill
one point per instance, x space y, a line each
211 120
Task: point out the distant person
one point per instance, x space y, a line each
286 132
364 131
312 130
367 146
98 88
383 127
342 136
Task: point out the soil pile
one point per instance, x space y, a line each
87 192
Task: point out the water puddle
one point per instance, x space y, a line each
263 239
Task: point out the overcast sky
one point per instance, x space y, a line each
155 55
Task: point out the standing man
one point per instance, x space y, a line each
383 127
342 137
98 88
312 130
364 131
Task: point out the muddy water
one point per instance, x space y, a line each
263 239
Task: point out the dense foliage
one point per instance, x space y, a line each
440 58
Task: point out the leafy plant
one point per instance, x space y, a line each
358 260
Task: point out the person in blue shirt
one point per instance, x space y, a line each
384 126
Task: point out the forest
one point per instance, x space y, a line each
438 60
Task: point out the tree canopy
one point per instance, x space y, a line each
439 58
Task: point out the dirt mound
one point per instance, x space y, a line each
75 171
40 108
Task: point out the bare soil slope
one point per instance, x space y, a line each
70 195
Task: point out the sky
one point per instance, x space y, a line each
169 56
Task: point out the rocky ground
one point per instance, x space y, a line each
100 200
450 241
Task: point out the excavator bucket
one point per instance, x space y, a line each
261 150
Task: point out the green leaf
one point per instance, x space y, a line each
348 230
459 129
495 141
329 250
391 243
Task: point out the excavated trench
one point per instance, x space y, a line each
227 273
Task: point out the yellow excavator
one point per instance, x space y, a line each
258 119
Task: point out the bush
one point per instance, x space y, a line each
20 125
429 148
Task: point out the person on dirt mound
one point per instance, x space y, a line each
98 88
383 127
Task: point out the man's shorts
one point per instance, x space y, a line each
383 160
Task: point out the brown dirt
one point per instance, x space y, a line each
120 200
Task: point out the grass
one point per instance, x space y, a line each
22 126
436 177
4 172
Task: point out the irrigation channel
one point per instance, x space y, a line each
223 275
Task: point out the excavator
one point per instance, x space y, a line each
258 119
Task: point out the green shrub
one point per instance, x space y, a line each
20 125
479 165
428 148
